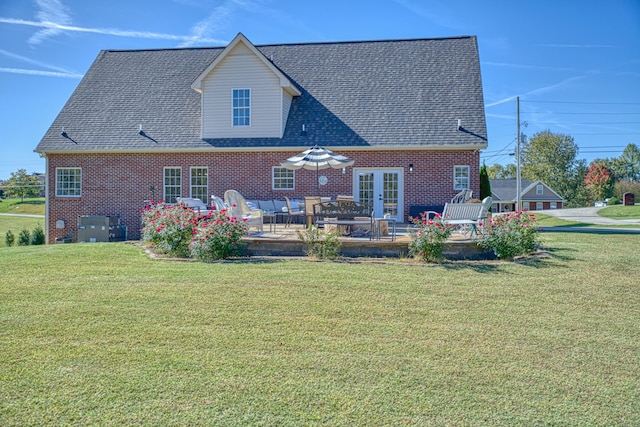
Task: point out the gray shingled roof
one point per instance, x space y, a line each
505 189
378 93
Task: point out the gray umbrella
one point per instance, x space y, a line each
317 158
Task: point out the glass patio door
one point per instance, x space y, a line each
381 189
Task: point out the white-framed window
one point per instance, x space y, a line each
283 179
525 206
539 189
461 177
172 184
553 205
199 183
68 182
241 101
539 206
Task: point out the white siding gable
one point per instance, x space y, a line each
243 67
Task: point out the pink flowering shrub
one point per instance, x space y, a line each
510 235
218 236
427 242
169 228
178 231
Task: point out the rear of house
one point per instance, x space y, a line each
146 125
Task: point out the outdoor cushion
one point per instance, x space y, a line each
266 205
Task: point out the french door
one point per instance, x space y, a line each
382 190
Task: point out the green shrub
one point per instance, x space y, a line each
427 242
24 238
319 244
613 201
9 238
510 235
38 236
218 236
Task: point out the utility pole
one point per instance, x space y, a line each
518 154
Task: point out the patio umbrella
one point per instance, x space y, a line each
317 158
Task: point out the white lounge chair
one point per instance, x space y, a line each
239 208
218 203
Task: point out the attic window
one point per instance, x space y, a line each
241 107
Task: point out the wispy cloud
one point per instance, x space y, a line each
50 11
40 73
216 20
578 46
37 63
445 18
525 66
53 18
537 91
109 31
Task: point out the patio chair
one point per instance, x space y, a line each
292 212
462 197
218 203
239 208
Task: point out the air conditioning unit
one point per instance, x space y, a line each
93 228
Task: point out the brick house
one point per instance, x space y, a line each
194 122
534 196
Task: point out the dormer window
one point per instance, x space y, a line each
241 107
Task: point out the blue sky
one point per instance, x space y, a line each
574 65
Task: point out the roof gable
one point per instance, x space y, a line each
240 39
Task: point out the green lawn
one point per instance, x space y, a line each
15 223
99 334
621 212
28 206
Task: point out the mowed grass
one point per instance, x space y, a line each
35 206
17 223
621 212
100 334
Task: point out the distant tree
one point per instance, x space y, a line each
625 186
552 158
22 185
598 180
627 166
485 185
499 171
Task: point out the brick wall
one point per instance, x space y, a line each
119 184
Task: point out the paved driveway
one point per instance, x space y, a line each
586 215
590 216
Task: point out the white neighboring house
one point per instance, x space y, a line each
535 196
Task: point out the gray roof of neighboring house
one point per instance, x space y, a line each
505 190
378 93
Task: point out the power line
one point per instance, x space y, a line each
582 113
587 123
583 102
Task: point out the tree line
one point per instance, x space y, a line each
553 159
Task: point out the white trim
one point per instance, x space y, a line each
285 83
66 196
191 168
468 167
273 179
295 149
233 89
164 185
